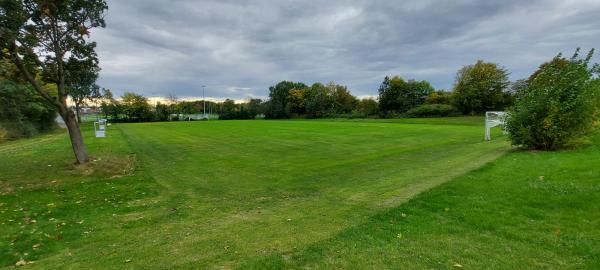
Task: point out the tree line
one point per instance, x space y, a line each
133 107
479 87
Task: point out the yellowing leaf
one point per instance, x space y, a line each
22 262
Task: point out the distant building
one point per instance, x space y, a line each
88 110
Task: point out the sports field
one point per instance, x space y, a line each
364 194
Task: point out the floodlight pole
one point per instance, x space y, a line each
204 102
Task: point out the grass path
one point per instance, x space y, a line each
225 194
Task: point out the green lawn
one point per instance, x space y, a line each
412 193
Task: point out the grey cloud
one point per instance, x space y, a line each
239 48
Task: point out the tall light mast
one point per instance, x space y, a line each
203 100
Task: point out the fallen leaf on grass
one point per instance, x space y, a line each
22 262
458 265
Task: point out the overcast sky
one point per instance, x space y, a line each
239 48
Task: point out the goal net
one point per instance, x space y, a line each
493 119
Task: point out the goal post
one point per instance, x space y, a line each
493 119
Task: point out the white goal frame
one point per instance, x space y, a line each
493 119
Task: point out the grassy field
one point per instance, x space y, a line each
299 194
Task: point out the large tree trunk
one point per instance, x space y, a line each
77 113
60 103
75 134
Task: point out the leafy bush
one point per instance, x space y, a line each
23 113
432 110
557 106
3 134
439 97
18 129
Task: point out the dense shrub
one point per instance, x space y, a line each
439 97
557 105
3 134
23 113
432 110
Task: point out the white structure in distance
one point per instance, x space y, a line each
100 128
493 119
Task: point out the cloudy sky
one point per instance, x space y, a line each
239 48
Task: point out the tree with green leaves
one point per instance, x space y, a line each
343 100
296 104
557 105
481 87
38 36
136 107
439 97
173 105
414 94
228 110
110 106
279 97
397 95
80 82
319 101
161 112
387 95
368 107
255 107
